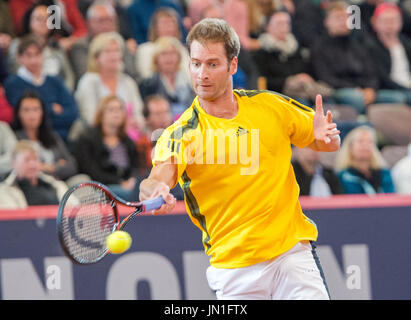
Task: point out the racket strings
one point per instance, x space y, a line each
86 222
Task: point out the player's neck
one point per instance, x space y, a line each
225 106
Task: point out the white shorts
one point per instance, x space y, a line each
296 274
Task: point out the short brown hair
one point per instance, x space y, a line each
215 30
336 6
27 42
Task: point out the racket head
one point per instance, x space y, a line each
87 214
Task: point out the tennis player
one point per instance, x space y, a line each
241 190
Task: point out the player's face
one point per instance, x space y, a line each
211 72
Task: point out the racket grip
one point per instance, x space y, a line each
153 204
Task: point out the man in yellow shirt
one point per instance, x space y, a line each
231 153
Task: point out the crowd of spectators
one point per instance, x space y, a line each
86 86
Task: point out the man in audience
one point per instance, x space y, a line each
343 63
60 104
157 112
313 178
101 18
26 185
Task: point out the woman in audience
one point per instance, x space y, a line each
361 167
163 23
56 62
106 153
285 64
31 123
168 80
105 77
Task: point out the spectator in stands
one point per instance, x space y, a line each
6 111
4 71
60 104
120 7
7 143
141 11
6 26
168 80
106 153
285 64
361 167
163 23
101 18
307 17
105 77
157 112
401 174
56 62
390 50
344 64
313 178
26 185
31 123
72 25
266 8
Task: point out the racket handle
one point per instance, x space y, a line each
153 204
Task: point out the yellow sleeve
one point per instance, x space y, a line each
170 148
299 123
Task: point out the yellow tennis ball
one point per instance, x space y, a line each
118 242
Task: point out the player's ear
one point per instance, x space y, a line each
233 65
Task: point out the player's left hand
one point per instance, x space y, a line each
324 127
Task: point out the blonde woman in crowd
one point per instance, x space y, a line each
105 77
361 167
164 23
168 79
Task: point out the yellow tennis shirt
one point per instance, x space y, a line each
237 177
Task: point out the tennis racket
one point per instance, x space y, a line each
87 214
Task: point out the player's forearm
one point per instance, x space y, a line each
162 174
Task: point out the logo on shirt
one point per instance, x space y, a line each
240 131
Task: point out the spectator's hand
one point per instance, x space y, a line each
66 43
57 108
47 167
129 183
132 45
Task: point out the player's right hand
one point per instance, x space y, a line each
160 189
